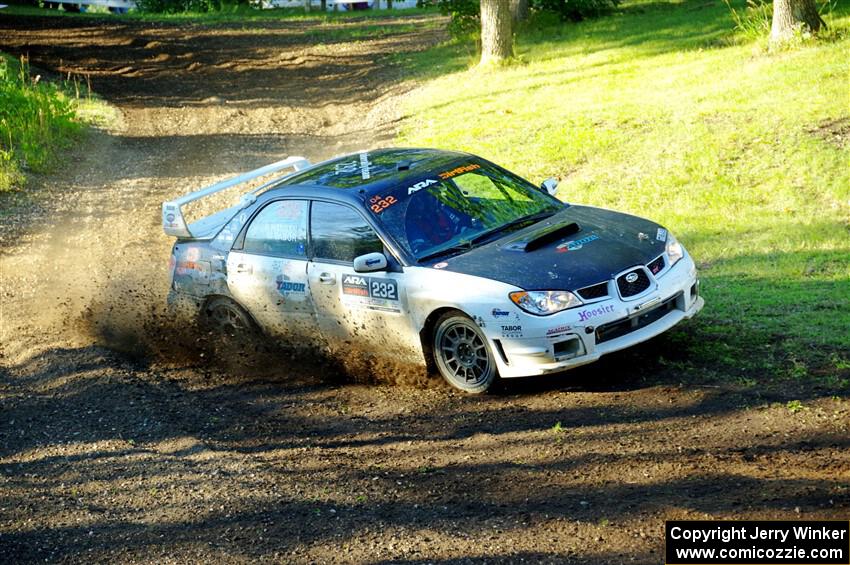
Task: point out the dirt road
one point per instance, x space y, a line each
120 443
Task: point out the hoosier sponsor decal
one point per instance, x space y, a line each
585 315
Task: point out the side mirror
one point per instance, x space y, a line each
550 186
370 262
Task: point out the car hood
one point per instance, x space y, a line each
575 248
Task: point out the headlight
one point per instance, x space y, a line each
674 250
545 302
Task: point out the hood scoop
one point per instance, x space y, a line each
542 237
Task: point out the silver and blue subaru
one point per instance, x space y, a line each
431 257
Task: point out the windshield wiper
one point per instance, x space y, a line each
469 243
461 246
513 223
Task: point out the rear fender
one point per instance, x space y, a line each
197 269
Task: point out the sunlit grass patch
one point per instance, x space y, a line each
38 118
665 111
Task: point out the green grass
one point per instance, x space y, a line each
38 118
663 110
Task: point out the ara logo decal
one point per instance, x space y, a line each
285 286
354 279
420 185
576 245
500 313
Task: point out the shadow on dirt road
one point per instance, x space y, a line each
111 453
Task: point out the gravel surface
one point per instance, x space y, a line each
121 441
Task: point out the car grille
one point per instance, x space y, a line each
637 286
594 291
620 328
656 266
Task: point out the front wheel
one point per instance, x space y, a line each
462 354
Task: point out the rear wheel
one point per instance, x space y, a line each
226 316
462 354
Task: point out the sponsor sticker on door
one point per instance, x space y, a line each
375 293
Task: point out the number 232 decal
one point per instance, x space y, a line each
379 204
383 289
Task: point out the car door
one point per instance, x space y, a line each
366 308
267 269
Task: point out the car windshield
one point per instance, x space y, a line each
456 209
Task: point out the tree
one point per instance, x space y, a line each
791 15
519 10
497 42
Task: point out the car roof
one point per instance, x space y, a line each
358 176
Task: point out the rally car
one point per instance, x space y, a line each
432 257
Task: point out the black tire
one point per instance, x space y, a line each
227 317
462 354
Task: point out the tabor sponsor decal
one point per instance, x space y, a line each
512 331
576 244
585 315
286 286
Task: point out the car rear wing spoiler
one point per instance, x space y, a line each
173 222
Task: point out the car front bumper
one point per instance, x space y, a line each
535 345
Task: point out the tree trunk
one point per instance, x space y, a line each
519 10
307 5
791 15
389 4
324 6
497 42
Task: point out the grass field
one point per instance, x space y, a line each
662 110
38 118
